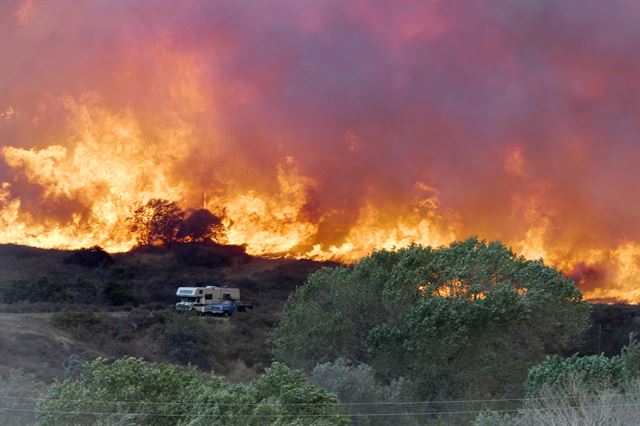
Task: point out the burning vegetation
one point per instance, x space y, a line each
442 128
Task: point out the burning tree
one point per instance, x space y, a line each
163 222
201 225
156 222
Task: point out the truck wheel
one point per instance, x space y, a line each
226 314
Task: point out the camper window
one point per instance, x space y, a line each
208 297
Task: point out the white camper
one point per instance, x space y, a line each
197 298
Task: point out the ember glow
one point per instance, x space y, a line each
328 129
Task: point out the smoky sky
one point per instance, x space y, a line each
369 97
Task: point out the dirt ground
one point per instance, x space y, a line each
30 342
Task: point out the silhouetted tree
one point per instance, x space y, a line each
156 222
202 225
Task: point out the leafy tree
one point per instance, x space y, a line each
156 222
200 226
466 319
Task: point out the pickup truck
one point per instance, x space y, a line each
225 307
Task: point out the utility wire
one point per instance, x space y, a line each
450 401
306 415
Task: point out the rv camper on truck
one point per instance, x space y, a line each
206 300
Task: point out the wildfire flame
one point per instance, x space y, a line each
425 128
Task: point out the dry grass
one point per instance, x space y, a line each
239 348
574 404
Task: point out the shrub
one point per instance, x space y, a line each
631 356
43 289
282 396
116 295
84 291
187 339
593 370
75 319
358 384
193 255
572 402
132 391
17 389
143 388
89 257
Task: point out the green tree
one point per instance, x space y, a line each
470 318
156 222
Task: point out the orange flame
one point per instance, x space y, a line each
387 144
105 165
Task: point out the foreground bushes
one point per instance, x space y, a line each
17 392
570 403
131 391
355 385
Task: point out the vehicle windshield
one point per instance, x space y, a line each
187 299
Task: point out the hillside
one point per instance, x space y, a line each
39 335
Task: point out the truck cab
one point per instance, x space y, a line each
226 308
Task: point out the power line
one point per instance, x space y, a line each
450 401
309 415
